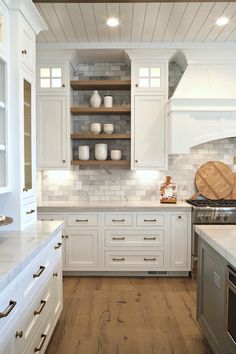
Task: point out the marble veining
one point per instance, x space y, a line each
17 249
222 238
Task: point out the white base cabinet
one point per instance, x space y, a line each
32 303
126 241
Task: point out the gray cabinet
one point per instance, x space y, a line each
211 296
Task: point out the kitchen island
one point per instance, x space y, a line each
30 286
216 294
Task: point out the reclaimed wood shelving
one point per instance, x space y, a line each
100 84
101 110
90 136
101 163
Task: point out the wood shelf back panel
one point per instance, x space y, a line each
90 136
101 163
100 110
100 84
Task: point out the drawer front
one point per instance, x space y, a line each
145 238
35 312
82 220
134 259
118 220
9 305
28 212
34 274
150 219
50 217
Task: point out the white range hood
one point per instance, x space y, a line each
203 107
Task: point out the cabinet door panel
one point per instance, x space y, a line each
51 120
179 235
81 250
149 131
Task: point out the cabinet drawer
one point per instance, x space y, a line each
9 305
50 217
82 220
147 238
35 312
33 275
134 259
28 212
118 220
150 219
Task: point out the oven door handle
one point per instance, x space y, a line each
229 282
231 286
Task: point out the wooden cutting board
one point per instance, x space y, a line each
214 180
232 195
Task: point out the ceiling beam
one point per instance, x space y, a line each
122 1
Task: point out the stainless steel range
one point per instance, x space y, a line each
206 211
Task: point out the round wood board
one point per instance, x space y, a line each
214 180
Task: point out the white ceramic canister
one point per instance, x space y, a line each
83 151
95 128
108 101
116 155
108 128
101 152
95 100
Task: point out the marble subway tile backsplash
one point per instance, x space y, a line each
123 184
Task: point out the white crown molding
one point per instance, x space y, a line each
211 56
150 54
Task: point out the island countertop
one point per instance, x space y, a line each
222 238
18 248
99 206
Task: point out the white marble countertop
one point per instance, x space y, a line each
56 206
222 238
18 248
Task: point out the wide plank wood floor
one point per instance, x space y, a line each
110 315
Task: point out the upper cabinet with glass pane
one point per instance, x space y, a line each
3 30
149 77
50 77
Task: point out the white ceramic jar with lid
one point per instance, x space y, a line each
108 101
95 128
101 152
116 155
108 128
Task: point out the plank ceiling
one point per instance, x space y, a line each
140 22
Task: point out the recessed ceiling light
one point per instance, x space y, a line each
222 21
113 22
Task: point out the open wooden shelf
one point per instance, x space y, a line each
100 84
90 136
101 110
101 163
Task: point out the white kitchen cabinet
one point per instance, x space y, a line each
149 132
27 44
10 341
81 249
3 30
51 77
149 77
52 136
180 241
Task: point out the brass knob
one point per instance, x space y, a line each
179 217
62 236
136 161
63 85
63 161
66 236
136 85
19 334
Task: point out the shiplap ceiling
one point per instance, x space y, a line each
139 22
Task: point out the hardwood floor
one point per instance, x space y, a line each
105 315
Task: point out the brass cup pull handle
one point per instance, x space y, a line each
58 246
81 220
118 220
150 238
149 259
19 334
37 349
30 212
118 238
9 309
24 51
25 189
39 272
55 274
118 259
150 220
42 304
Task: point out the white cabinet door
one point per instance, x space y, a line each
180 242
10 341
149 131
52 134
57 302
3 30
81 249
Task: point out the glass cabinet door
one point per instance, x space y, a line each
149 77
3 131
27 137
